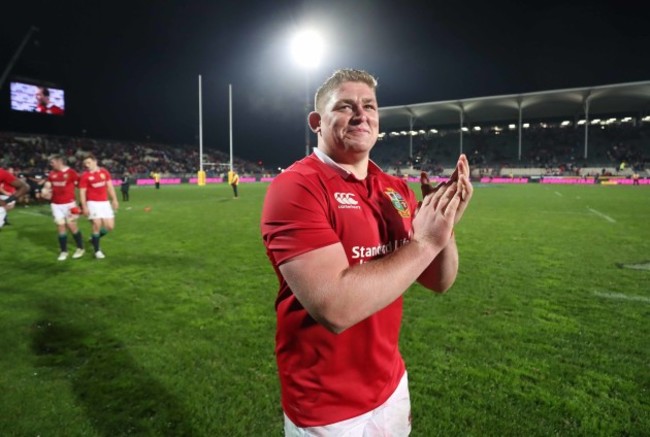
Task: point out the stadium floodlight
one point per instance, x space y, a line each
403 133
421 132
595 121
626 119
646 118
382 135
526 125
565 123
477 128
581 122
433 131
512 126
307 48
464 129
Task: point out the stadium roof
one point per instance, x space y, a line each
630 98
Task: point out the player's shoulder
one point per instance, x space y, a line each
5 175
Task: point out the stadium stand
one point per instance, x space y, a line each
28 153
547 148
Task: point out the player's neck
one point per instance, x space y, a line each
356 163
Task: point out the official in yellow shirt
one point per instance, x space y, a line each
233 180
156 178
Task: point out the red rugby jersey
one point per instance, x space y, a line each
325 377
63 185
95 184
6 179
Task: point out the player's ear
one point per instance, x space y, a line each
314 121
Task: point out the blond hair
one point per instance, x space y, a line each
335 80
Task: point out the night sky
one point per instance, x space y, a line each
130 69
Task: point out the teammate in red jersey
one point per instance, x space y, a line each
346 241
14 189
95 187
60 189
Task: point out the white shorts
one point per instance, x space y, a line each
100 210
3 211
392 418
61 212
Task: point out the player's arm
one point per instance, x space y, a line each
338 295
83 201
46 191
21 187
112 195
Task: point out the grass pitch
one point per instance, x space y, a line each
544 333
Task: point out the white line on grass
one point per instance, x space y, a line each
558 193
621 296
35 214
601 215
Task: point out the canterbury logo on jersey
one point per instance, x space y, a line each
346 200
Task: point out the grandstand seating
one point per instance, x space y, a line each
28 153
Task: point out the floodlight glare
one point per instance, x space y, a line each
307 48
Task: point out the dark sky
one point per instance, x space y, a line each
130 69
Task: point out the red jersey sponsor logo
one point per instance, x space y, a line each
346 201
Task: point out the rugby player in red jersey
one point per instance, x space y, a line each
346 241
43 104
95 187
15 189
60 190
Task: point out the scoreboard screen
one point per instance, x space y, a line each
37 98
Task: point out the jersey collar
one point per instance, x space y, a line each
322 156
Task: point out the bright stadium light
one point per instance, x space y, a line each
307 48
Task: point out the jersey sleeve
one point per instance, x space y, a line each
83 182
6 177
295 218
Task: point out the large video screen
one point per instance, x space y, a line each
36 98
